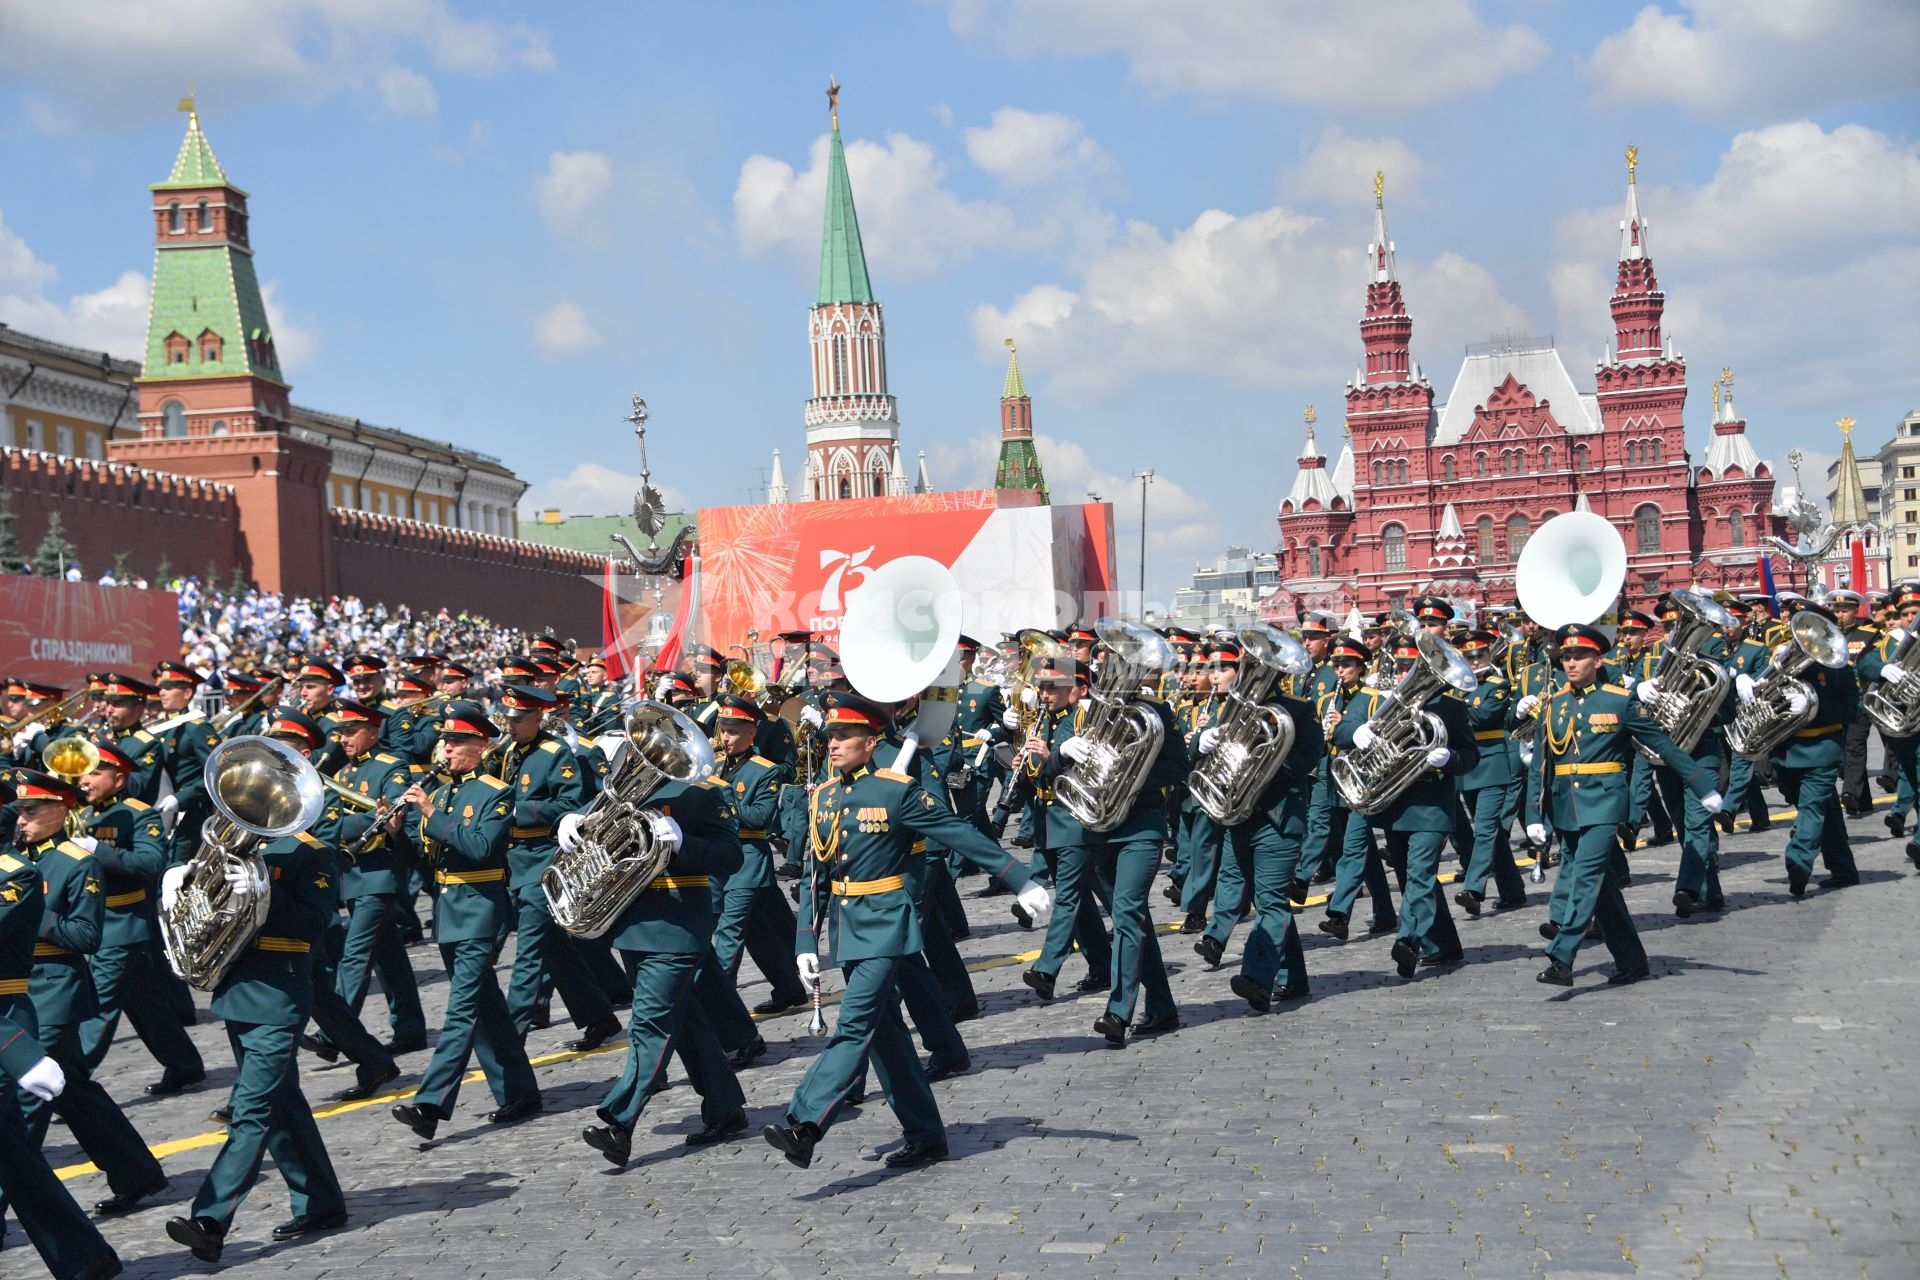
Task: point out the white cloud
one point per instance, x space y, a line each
1730 59
1393 54
911 224
564 330
1338 169
407 93
295 344
137 54
112 319
479 141
1780 264
570 190
1025 147
592 489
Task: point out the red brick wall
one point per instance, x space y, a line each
106 509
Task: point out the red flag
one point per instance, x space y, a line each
668 659
612 645
1859 565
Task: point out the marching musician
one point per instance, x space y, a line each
1317 851
977 767
243 696
752 913
596 707
1486 788
123 705
314 682
266 997
1878 663
1587 735
1862 635
464 826
863 823
1198 864
406 700
1077 888
1748 650
1696 883
186 747
1348 832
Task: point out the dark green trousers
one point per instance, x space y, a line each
135 979
1820 830
1076 919
270 1114
477 1023
541 946
1588 888
1263 856
68 1242
1129 858
869 1022
667 1018
373 949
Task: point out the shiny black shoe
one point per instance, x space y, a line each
1684 903
1252 992
105 1269
1549 930
1468 901
167 1086
203 1236
421 1117
1405 957
541 1017
915 1154
1379 927
1510 904
747 1054
368 1085
310 1224
222 1116
1725 820
612 1141
514 1112
1897 824
1172 890
1555 975
1325 877
1714 902
727 1126
114 1206
948 1070
1041 983
1091 983
406 1044
795 1141
1626 977
1194 923
1443 959
1298 991
601 1031
1211 949
1797 881
320 1048
966 1013
1297 892
779 1004
1112 1028
855 1098
1913 852
1839 882
1156 1026
1334 925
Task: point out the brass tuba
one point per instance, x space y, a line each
1896 707
1254 737
1690 685
620 846
261 790
1019 690
1370 778
1122 733
1769 719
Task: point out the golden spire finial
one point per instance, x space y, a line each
1633 161
833 101
186 103
1379 188
1726 375
1310 417
1346 429
1010 346
1716 400
1846 427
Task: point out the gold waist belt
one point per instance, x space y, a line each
1820 731
13 986
865 888
126 899
529 833
470 877
1604 766
291 946
43 949
680 882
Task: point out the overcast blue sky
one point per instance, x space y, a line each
495 223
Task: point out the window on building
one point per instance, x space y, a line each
1656 453
1483 529
1906 495
877 484
173 218
384 509
1646 528
1479 464
1313 559
1446 469
36 434
1393 539
1546 457
95 448
1396 602
209 347
219 427
846 487
1579 457
1737 528
63 440
173 419
1906 473
840 365
205 221
1517 530
1651 585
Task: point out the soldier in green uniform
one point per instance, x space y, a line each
407 700
862 827
1587 736
1077 888
1318 852
1197 843
186 747
1862 634
752 914
976 767
244 696
1808 766
129 972
1747 654
1485 789
61 995
68 1244
1348 832
315 683
1696 882
464 827
1880 663
596 704
123 705
266 997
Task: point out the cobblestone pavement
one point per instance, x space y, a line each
1749 1113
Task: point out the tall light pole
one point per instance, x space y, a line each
1145 477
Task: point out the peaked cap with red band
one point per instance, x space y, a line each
1578 636
468 718
31 784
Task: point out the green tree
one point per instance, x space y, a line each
121 574
163 572
237 584
55 555
10 561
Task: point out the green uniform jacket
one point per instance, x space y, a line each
22 901
1823 740
70 930
675 914
377 775
1583 758
149 756
271 984
1487 713
597 712
756 783
862 829
187 747
131 853
545 780
981 706
464 836
1427 805
1055 727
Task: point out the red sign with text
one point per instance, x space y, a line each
56 632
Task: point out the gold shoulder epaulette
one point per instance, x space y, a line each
138 806
891 775
384 758
74 851
1616 688
549 745
10 864
493 782
760 760
143 735
310 840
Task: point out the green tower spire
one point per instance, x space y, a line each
1019 463
843 262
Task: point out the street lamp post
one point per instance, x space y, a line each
1145 477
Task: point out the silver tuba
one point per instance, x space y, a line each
1896 707
261 790
620 846
1254 737
1122 732
1690 685
1370 778
1768 720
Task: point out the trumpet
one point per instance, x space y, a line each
59 712
227 719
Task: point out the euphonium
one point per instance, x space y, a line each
1021 694
1252 736
1896 707
1370 778
1122 733
1769 719
621 846
1690 685
261 790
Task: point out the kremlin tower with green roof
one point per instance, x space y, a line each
1019 465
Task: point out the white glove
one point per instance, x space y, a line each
1363 736
1526 705
1010 718
86 842
1796 702
1647 690
567 830
44 1080
668 832
1893 674
1074 749
170 881
1035 901
1743 685
1437 757
1713 802
1029 695
1209 739
661 688
808 962
1329 722
811 717
167 806
1537 832
239 881
1630 681
1373 680
1898 635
